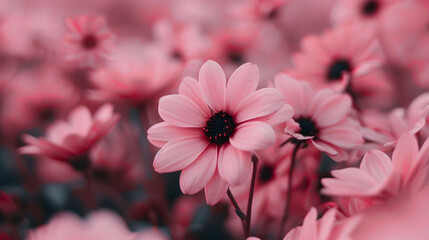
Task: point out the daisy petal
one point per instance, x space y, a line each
234 165
194 177
215 189
252 136
212 85
178 154
180 111
241 84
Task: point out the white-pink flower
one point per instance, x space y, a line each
211 127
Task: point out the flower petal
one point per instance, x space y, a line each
241 84
331 110
163 132
212 85
215 189
178 154
194 177
181 111
190 88
259 104
252 136
234 165
343 137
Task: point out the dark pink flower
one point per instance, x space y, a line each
211 127
88 41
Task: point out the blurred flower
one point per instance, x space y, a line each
321 118
211 128
360 11
88 41
326 228
9 211
99 225
139 73
70 141
346 59
380 177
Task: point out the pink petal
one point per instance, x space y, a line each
282 115
178 154
161 133
377 164
212 85
234 165
191 88
215 189
241 84
343 137
405 154
331 110
81 120
309 228
252 136
180 111
104 113
194 177
259 104
327 224
297 94
324 147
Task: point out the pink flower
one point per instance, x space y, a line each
139 73
99 225
70 141
360 11
88 41
326 228
321 118
210 129
346 58
380 177
405 217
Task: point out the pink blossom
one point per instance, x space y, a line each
70 141
347 58
321 118
99 225
212 127
326 228
88 41
381 177
139 73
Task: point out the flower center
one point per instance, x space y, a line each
337 68
236 57
370 8
220 128
89 41
266 173
308 126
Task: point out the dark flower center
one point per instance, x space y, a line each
177 55
89 41
236 57
266 173
370 8
308 126
220 128
272 14
337 68
47 114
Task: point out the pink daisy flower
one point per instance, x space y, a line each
211 127
88 40
362 11
321 118
380 177
139 73
99 225
326 228
346 59
70 141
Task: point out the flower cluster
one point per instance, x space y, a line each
200 119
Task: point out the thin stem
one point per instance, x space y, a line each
238 211
251 192
289 190
90 187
